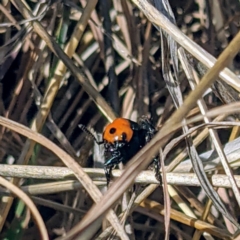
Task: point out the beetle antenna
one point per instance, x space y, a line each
86 130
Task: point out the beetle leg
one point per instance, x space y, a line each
110 164
157 169
113 161
108 171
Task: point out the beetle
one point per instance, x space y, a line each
122 139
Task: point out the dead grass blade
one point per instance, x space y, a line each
178 216
55 48
213 195
167 202
203 56
36 215
182 178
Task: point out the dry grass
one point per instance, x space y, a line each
65 63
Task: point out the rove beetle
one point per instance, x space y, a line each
122 139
